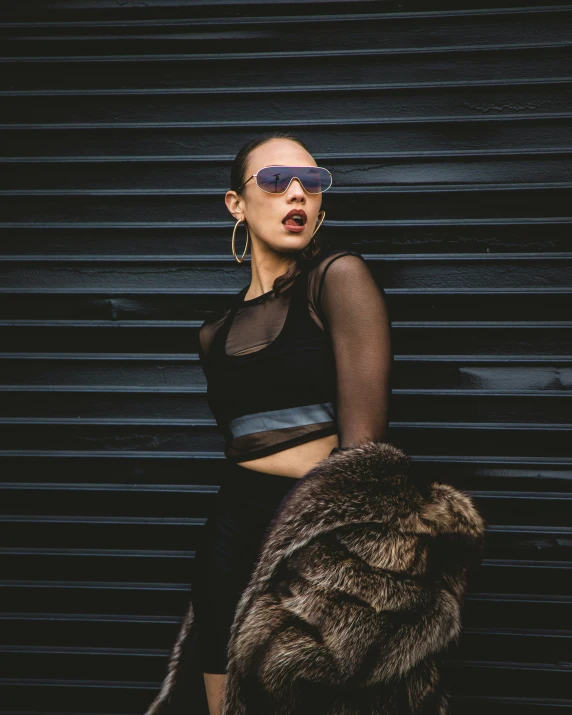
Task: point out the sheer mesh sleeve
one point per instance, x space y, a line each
355 311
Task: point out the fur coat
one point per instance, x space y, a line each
356 596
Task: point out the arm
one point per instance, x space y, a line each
358 324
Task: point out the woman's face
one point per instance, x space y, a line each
263 212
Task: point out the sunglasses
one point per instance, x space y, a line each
277 179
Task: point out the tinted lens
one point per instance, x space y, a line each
314 179
276 179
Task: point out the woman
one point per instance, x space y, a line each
339 592
297 368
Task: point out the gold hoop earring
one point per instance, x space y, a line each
323 215
236 258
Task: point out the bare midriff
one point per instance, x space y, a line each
296 461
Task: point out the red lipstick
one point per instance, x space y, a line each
295 220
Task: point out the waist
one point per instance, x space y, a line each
241 484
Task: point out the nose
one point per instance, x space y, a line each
295 190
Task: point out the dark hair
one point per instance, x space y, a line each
237 178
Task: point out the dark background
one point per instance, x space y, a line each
448 132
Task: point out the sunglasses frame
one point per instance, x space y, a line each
277 193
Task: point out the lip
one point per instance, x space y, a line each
301 212
294 229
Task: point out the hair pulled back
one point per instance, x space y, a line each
237 177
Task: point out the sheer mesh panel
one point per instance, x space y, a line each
344 301
260 320
264 443
358 323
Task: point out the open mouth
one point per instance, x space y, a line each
295 219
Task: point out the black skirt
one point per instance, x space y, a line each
227 552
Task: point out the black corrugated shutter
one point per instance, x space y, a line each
448 133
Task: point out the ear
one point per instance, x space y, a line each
235 205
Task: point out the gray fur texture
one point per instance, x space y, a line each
355 599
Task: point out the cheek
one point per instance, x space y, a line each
264 218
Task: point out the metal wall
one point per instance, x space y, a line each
448 134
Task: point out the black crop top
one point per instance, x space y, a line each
313 361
